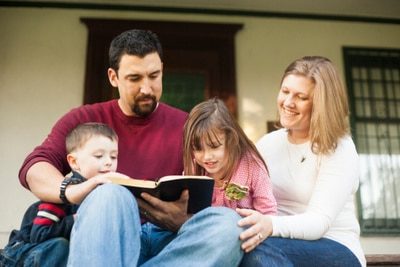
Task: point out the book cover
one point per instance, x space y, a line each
169 188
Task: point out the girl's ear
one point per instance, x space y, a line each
73 162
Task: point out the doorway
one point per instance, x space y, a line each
199 60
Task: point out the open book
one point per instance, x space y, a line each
169 188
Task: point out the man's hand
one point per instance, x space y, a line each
168 215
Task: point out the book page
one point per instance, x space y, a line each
133 182
178 177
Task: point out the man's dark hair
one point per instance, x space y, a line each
133 42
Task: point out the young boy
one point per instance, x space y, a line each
92 150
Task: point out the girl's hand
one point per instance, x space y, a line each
259 228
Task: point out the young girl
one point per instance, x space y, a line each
215 145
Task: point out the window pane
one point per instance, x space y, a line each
374 88
183 90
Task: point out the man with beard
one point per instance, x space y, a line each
109 230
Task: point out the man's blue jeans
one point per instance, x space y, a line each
108 232
285 252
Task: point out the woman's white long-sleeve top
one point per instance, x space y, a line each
315 194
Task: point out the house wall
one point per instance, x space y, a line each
43 52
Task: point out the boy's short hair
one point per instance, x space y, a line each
80 134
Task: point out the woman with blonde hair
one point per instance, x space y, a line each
314 170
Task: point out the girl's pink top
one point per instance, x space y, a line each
250 172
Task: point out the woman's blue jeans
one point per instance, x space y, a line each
108 232
285 252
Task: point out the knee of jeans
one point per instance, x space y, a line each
228 214
61 242
252 260
265 254
105 198
110 193
228 220
225 212
58 245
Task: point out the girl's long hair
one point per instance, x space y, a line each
205 123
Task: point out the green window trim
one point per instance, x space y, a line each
373 83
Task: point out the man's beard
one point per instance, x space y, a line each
144 110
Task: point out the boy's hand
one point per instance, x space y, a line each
76 193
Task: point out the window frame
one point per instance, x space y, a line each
380 59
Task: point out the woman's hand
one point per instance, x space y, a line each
260 227
168 215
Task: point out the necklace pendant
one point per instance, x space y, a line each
303 158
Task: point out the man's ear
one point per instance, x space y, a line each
112 77
73 163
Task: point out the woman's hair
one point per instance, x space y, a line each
79 135
206 122
330 110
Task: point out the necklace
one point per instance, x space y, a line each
301 151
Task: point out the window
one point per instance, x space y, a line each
373 82
183 90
